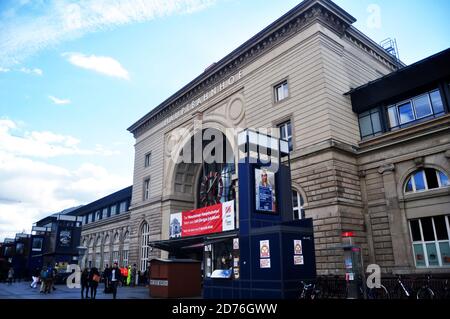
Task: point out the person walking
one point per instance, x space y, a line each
129 276
124 273
133 276
10 275
43 277
85 283
94 279
35 278
49 281
115 277
106 276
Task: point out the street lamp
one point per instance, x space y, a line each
81 253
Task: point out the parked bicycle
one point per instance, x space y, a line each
309 291
425 292
402 291
378 293
445 290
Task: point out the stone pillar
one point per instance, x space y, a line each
398 224
367 221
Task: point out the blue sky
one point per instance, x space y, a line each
75 74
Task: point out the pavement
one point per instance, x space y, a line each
22 290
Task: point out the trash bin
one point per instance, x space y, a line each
175 278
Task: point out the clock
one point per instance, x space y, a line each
211 189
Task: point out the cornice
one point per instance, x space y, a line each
300 17
290 24
106 221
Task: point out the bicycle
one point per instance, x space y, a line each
445 290
402 291
425 292
378 293
309 291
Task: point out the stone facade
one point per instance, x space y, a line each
346 184
102 238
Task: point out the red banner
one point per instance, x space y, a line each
212 219
201 221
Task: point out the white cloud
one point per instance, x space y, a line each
30 27
101 64
58 101
4 70
34 71
42 144
31 189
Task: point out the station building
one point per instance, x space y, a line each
368 138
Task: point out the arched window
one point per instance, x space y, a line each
426 179
126 249
115 249
106 251
98 252
145 248
90 253
297 205
84 256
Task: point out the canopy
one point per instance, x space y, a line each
175 244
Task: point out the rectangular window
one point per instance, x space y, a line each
123 207
125 258
416 108
37 244
115 257
436 101
104 213
406 113
422 106
370 123
221 259
281 91
92 217
430 236
147 189
113 210
86 218
148 160
286 133
415 230
393 117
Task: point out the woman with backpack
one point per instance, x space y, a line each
43 277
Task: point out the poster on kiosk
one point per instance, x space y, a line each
202 221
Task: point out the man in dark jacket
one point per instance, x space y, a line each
114 279
106 275
85 283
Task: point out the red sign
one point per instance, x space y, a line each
201 221
206 220
348 234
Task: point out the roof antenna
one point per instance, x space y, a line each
390 46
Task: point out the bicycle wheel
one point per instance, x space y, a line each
378 293
425 293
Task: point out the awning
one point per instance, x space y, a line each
191 242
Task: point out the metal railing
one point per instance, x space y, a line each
335 287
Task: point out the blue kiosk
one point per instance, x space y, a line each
260 252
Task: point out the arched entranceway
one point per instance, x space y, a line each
201 174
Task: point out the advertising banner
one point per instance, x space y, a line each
206 220
65 238
265 190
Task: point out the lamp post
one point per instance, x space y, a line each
81 255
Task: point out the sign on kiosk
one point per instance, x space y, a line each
206 220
